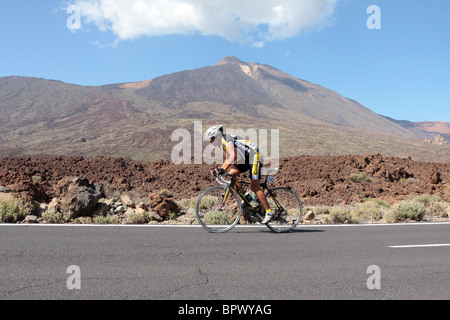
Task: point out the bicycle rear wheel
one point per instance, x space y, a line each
287 208
218 211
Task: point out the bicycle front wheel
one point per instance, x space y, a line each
218 209
287 208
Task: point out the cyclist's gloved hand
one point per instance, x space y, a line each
217 171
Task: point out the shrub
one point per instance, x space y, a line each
437 209
359 177
208 202
82 220
172 215
371 209
100 220
378 202
52 217
109 219
36 178
15 210
186 203
138 218
406 210
165 192
408 180
321 209
217 217
426 199
341 216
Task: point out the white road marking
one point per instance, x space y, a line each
422 246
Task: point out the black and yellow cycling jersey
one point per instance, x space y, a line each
248 156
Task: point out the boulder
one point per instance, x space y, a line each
30 219
140 211
40 209
162 205
435 177
5 190
153 216
142 205
110 202
310 215
76 197
126 200
102 209
120 210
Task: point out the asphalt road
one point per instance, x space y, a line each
181 263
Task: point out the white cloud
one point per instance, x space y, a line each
255 21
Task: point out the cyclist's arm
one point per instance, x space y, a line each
231 157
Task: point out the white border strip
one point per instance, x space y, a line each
372 225
422 246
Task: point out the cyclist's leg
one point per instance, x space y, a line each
256 180
234 170
256 187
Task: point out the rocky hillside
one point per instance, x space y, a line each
47 118
117 190
318 179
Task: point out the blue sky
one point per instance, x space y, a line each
401 70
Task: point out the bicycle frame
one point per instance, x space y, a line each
232 184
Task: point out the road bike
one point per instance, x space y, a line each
220 208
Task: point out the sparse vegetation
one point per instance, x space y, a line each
423 207
437 210
402 211
208 202
187 203
340 215
36 178
419 208
217 217
166 192
15 210
425 199
408 180
359 177
370 210
378 202
172 216
320 209
109 219
52 217
138 217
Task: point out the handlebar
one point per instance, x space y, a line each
220 178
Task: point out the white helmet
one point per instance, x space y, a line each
213 132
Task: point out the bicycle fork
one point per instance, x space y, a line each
225 197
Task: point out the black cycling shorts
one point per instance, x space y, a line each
254 166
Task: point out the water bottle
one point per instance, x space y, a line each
256 203
256 200
248 196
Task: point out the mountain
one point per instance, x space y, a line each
49 118
432 128
245 87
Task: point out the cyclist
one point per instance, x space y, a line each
241 156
